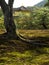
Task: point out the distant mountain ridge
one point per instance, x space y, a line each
41 4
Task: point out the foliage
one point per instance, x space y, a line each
1 13
38 15
36 19
15 52
33 21
47 4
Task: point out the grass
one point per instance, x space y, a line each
34 33
16 52
20 54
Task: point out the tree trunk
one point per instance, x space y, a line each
8 17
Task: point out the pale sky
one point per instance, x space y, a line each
18 3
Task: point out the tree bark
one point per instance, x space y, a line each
9 22
8 16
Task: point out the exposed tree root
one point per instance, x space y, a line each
35 41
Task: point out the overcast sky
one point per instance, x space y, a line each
18 3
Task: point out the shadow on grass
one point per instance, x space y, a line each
13 50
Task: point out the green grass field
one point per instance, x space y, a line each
16 52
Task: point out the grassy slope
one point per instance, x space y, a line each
14 52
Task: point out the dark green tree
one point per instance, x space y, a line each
47 4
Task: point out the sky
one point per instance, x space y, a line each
18 3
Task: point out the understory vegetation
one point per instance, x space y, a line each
36 19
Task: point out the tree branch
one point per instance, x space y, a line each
3 5
10 3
